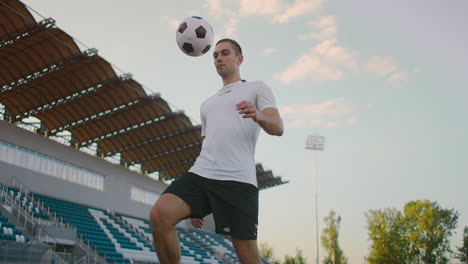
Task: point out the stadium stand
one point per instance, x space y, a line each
202 245
88 229
9 232
122 239
44 75
26 203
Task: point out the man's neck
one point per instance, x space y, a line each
231 79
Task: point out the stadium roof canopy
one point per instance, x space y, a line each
44 74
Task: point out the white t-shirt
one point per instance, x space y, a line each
228 149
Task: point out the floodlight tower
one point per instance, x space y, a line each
315 143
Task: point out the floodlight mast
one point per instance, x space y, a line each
315 143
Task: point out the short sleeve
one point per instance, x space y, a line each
265 97
203 122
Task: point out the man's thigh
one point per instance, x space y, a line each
190 189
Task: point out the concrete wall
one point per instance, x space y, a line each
117 184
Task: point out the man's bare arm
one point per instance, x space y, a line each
269 119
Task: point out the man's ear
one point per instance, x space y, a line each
240 59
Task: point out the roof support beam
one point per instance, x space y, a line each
46 70
175 164
104 114
62 101
27 32
131 128
166 153
97 116
154 140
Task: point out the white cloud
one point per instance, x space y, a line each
261 7
325 22
218 11
381 65
298 8
326 61
171 22
398 77
387 66
230 28
326 26
269 51
215 8
337 55
330 114
279 11
308 67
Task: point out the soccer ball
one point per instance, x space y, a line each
194 36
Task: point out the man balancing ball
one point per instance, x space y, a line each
223 179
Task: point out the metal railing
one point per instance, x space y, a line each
27 220
25 253
53 219
33 225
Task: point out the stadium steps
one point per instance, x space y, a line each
87 228
134 236
189 254
25 222
219 245
9 231
192 249
124 241
119 238
139 229
195 247
140 226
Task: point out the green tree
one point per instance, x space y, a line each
463 251
387 233
268 253
330 240
417 235
298 259
429 227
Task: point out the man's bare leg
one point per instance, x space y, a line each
164 215
247 251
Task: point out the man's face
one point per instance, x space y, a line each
225 59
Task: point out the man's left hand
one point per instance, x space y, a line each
247 109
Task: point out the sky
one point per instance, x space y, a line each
385 82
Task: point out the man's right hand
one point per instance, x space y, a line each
196 222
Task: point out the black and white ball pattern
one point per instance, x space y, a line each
194 36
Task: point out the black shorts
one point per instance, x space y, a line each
234 204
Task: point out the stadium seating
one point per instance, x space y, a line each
80 216
215 243
196 245
26 203
9 232
123 239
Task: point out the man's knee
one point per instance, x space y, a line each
156 215
167 212
160 215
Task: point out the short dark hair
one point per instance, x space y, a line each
237 48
